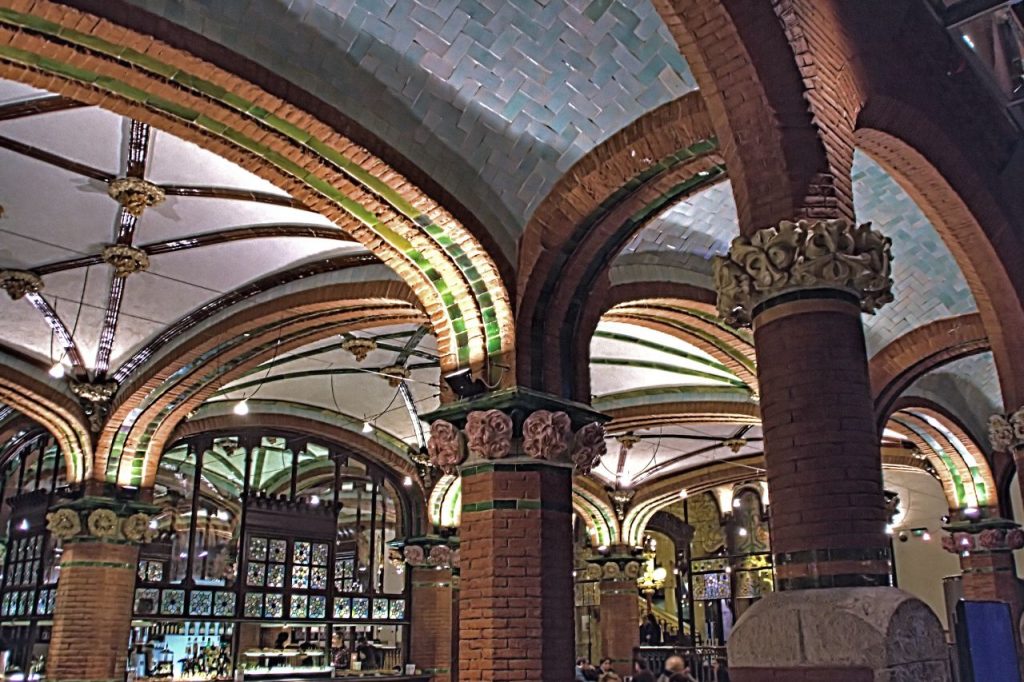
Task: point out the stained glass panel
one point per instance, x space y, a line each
320 554
224 604
278 550
275 606
318 578
711 586
200 603
342 607
172 602
360 607
298 609
257 549
256 575
300 577
275 575
317 607
146 601
397 609
301 553
380 609
253 605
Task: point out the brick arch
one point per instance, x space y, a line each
586 219
149 408
264 414
135 75
23 387
922 350
626 419
772 77
968 215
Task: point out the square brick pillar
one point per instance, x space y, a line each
516 607
93 612
516 451
432 621
620 615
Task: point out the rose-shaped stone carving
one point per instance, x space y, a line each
546 435
440 555
489 434
445 446
964 541
593 572
136 528
992 538
1000 433
63 524
588 447
632 570
949 544
1015 538
414 555
102 523
610 571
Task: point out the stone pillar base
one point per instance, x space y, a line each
853 634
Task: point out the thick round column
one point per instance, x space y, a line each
822 451
93 612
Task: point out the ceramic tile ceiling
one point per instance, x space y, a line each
626 357
968 388
495 100
927 283
323 375
54 213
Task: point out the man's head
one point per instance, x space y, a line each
581 661
675 664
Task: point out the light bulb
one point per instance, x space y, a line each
407 481
367 427
926 536
743 532
683 494
241 407
23 525
660 573
57 370
314 500
736 503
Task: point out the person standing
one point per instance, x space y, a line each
650 631
718 671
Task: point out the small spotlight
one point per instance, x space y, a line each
407 481
945 518
888 529
972 512
742 532
241 408
926 536
367 427
23 525
736 503
602 549
154 524
965 542
728 569
57 371
683 494
202 554
314 500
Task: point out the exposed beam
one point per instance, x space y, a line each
37 105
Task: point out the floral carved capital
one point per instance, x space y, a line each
489 434
445 446
103 523
588 447
135 194
547 435
17 283
126 260
822 254
63 524
1006 432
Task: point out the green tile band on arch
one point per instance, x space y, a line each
474 280
119 565
515 504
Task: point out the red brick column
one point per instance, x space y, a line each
432 609
516 451
516 606
93 612
620 620
823 460
803 287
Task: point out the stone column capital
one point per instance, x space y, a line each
991 534
102 519
516 424
1006 432
427 551
819 254
614 567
